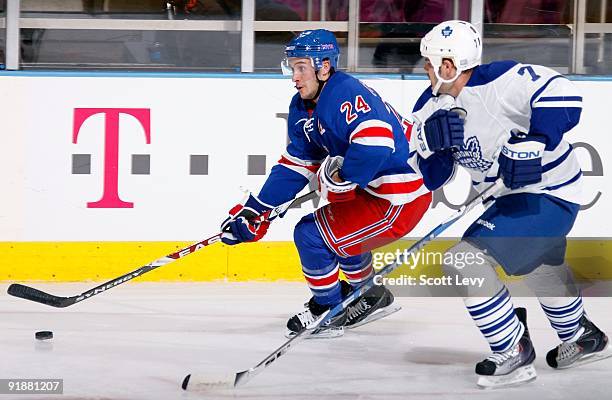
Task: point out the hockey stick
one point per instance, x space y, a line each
240 378
30 293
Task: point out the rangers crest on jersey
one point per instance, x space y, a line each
309 128
470 156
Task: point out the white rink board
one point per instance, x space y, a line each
224 118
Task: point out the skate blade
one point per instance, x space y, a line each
589 358
378 314
328 333
521 375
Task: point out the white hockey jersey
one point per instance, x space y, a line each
500 97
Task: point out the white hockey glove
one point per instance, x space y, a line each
331 190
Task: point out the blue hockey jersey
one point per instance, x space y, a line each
349 120
500 97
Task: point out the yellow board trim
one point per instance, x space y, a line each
265 261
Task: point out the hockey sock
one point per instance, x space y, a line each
496 319
559 297
489 304
357 269
564 315
319 263
324 284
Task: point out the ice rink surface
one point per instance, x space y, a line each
138 341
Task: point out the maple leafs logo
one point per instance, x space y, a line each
470 155
446 32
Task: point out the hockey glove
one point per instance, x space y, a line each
238 227
441 131
520 160
331 190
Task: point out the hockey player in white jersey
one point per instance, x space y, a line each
517 116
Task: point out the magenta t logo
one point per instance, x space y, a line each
110 197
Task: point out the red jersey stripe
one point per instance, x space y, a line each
398 187
374 131
311 168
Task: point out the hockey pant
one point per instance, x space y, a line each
340 236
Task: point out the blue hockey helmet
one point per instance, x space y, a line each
318 45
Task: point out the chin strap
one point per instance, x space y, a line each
322 83
441 80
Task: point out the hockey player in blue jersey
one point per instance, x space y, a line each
517 116
345 136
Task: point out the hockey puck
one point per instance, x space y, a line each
207 381
44 335
186 382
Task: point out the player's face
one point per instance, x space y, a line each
447 71
429 69
304 77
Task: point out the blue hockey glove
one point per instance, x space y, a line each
238 226
443 130
520 160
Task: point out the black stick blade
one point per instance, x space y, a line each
29 293
185 382
241 377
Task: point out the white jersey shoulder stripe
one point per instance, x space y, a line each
558 104
375 141
558 101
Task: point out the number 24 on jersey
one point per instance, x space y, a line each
360 106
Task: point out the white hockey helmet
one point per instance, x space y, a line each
456 40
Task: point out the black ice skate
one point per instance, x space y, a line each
511 367
300 321
375 304
591 345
